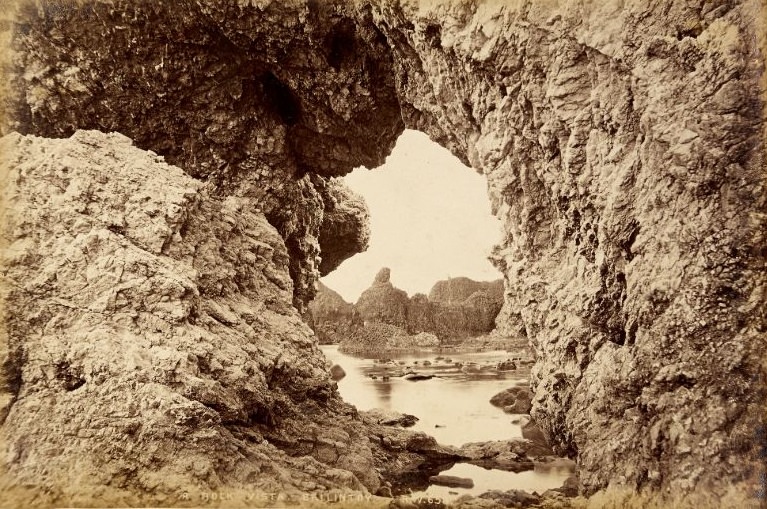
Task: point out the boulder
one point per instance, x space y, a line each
512 498
388 418
521 449
507 365
451 481
337 372
514 400
570 487
416 377
532 432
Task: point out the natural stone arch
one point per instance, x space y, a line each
572 112
251 99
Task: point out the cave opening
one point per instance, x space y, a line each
621 145
410 323
430 220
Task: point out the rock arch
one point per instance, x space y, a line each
623 148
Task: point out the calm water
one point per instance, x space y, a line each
454 407
538 480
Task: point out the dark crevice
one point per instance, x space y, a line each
341 43
69 377
631 334
11 376
281 98
626 244
433 34
691 31
263 416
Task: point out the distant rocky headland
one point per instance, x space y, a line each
385 317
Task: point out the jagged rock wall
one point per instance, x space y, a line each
465 309
154 354
458 289
383 302
173 355
153 343
623 147
264 101
622 142
330 316
344 230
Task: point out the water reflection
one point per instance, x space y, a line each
453 406
486 480
384 390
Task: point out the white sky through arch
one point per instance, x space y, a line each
430 220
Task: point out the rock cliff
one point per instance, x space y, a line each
623 147
382 302
457 308
152 338
458 289
330 316
153 352
462 309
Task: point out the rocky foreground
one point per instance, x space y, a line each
143 331
153 280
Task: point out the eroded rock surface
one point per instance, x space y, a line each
152 340
330 316
623 147
458 289
622 144
458 311
384 317
263 100
383 303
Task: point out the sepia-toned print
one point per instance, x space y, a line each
383 254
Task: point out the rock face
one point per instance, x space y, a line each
466 309
330 316
146 311
459 289
623 147
215 103
383 303
154 324
457 308
344 230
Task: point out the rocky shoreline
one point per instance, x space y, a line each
513 455
518 348
531 451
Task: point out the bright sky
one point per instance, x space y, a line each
430 220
